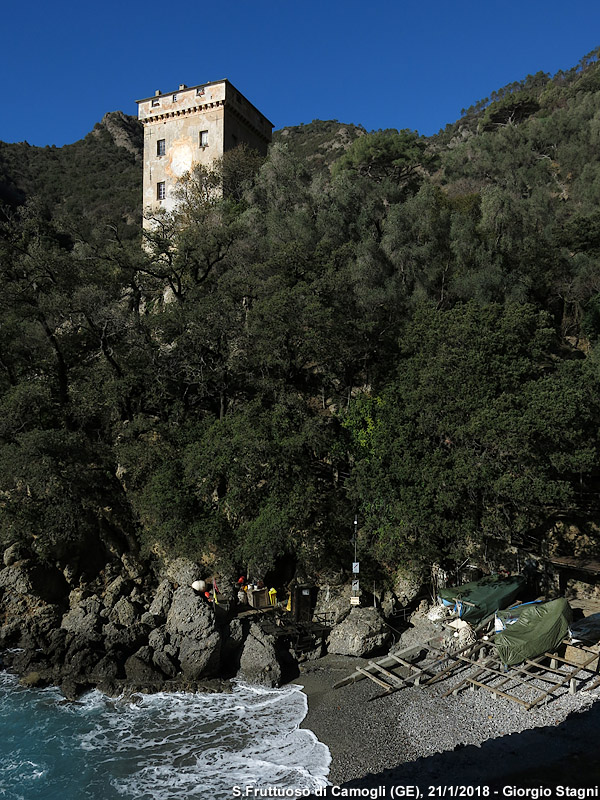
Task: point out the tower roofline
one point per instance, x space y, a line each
201 86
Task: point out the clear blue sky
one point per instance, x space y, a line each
377 63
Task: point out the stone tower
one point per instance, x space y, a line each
193 125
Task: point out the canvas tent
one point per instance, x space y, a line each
531 630
476 600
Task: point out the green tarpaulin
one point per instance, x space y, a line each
537 628
477 600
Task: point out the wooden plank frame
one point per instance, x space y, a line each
488 673
492 669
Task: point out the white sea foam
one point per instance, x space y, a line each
156 746
195 743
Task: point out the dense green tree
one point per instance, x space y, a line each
380 321
392 155
482 433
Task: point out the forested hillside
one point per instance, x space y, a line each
373 323
89 183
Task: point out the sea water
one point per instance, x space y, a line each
164 746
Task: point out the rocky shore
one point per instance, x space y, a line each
140 627
125 628
134 628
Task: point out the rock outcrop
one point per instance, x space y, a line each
259 662
183 572
192 630
127 626
125 131
108 629
333 600
362 633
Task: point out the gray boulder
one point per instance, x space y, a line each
57 645
165 663
16 552
124 639
361 633
162 600
116 589
192 630
232 643
77 596
137 595
170 650
16 578
183 571
40 624
9 634
133 568
200 659
84 619
334 602
189 615
72 689
29 621
140 670
259 663
107 669
407 585
123 612
157 638
145 654
81 663
421 629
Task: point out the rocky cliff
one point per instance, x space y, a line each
134 627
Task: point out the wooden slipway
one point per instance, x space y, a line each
379 671
528 684
433 652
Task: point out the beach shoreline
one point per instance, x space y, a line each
415 737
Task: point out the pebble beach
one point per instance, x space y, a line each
416 737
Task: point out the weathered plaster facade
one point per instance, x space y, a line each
193 125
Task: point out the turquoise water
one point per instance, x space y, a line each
156 747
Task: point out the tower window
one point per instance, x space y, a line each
155 103
200 92
160 147
161 191
175 97
203 138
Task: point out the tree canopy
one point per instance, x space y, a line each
411 335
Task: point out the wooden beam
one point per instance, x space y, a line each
545 668
386 661
572 663
497 691
376 679
452 667
568 677
594 685
420 671
459 686
397 679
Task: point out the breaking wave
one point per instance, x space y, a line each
153 747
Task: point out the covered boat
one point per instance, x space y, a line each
477 600
531 630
